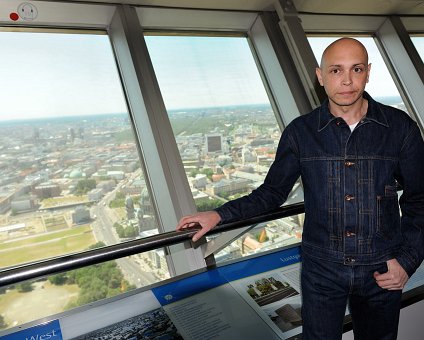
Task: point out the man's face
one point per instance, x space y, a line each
344 72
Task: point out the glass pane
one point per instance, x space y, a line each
419 45
20 303
381 85
224 125
70 172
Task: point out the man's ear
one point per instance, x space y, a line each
319 75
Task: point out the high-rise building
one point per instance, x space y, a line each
213 143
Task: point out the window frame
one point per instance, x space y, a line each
169 189
207 22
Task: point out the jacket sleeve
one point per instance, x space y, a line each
277 185
411 166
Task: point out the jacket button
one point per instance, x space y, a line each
349 163
349 260
349 197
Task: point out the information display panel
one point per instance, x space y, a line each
251 299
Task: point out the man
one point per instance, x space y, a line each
351 153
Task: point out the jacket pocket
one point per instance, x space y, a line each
388 216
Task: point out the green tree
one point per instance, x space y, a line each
120 195
94 290
193 173
98 282
119 230
24 287
115 281
99 244
58 279
208 205
233 197
208 172
224 195
85 185
3 323
130 231
118 201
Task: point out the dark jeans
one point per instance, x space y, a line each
328 287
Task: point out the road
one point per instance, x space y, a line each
104 231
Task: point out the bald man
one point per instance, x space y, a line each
352 154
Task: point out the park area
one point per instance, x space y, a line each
44 299
45 245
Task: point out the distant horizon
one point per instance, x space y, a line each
176 110
393 100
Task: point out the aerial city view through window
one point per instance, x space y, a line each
71 175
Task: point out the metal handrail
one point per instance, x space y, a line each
64 263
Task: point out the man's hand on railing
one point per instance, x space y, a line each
207 221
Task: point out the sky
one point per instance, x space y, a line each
47 75
205 71
57 74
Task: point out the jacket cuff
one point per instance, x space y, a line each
225 215
407 263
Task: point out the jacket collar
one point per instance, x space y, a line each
374 113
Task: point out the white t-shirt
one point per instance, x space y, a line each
352 127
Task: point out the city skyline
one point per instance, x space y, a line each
388 101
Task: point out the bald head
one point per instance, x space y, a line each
344 46
344 72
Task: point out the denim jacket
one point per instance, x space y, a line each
350 184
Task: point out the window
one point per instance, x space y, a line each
219 111
70 172
418 42
381 85
224 125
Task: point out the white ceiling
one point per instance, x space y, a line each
376 7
